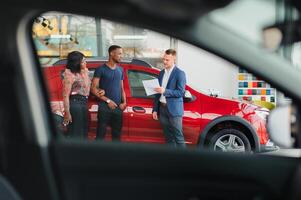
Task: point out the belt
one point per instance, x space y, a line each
79 97
163 104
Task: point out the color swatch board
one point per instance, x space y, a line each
250 88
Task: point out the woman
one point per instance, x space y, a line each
76 89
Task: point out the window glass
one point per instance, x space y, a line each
216 89
136 85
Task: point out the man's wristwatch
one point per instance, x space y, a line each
108 100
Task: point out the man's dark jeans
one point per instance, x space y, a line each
172 128
111 117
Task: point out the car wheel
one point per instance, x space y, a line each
230 140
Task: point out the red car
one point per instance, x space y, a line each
217 123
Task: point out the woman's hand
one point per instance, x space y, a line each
100 93
67 118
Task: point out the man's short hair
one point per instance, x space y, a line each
113 47
171 52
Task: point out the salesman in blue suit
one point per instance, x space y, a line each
168 105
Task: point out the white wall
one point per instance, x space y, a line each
206 71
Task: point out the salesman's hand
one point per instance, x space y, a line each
160 90
155 116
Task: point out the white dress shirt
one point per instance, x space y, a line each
165 81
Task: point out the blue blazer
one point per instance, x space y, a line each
174 92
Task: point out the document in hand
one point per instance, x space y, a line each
150 85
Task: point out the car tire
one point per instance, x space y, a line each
230 140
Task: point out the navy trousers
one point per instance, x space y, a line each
172 128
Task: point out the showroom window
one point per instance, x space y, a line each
55 34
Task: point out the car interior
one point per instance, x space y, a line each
36 164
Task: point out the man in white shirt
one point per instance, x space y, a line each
168 104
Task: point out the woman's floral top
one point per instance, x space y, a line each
75 83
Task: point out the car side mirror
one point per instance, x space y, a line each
188 97
283 126
214 93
